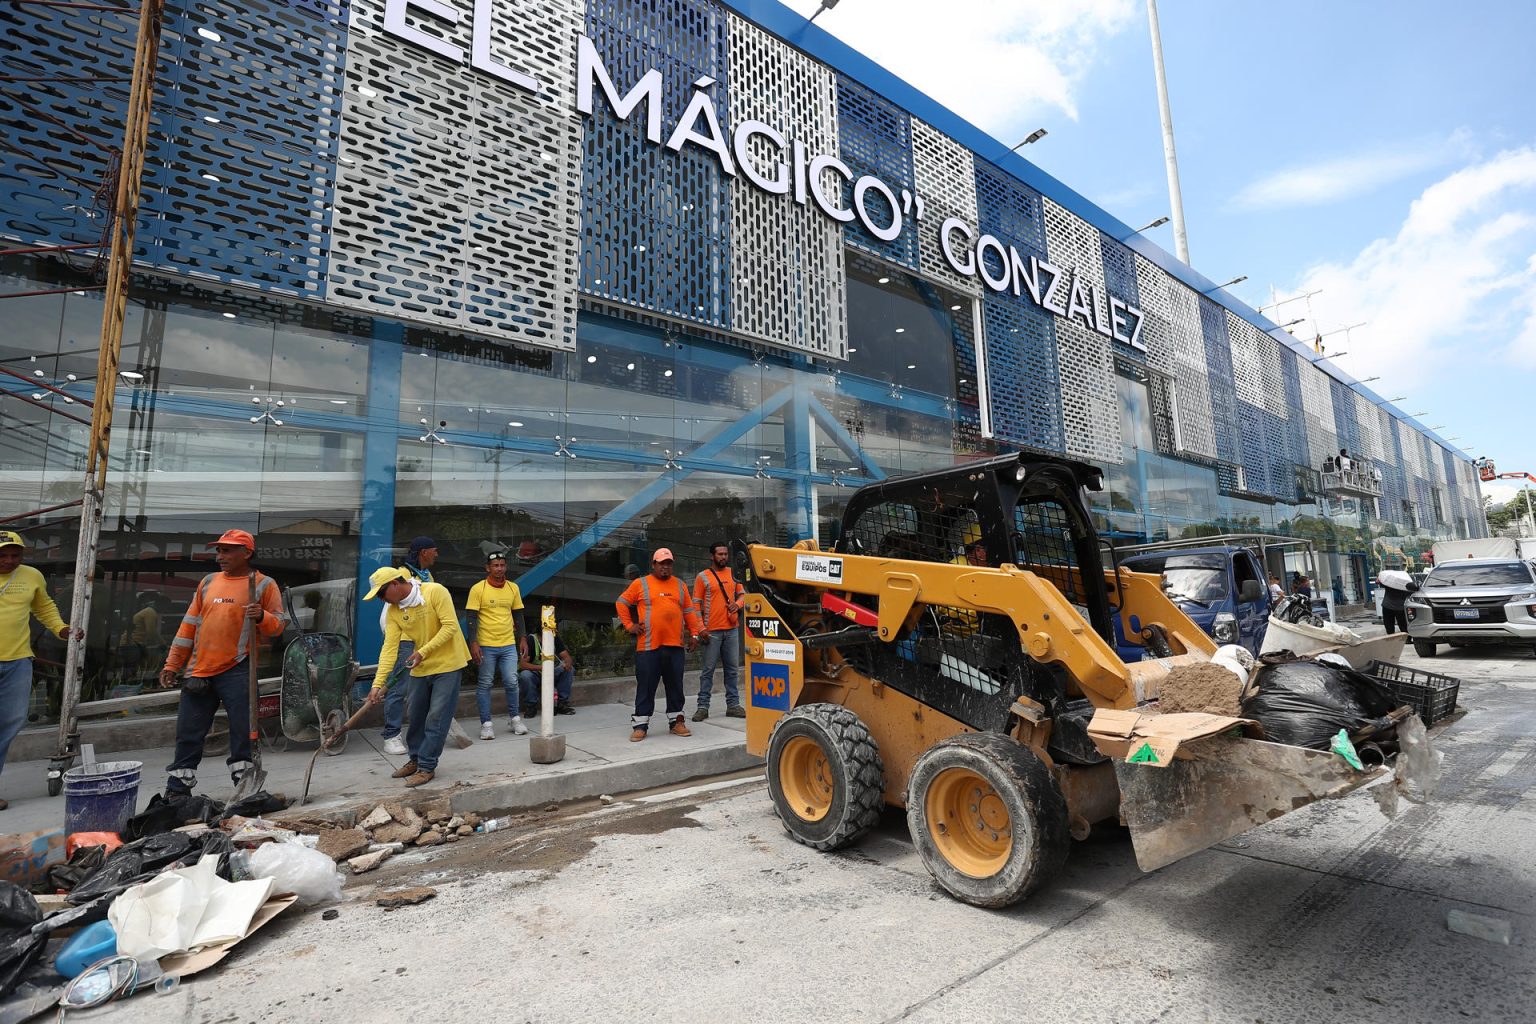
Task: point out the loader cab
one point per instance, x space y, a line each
1024 510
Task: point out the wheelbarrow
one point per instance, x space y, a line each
318 672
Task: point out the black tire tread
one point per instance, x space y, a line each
1021 767
852 742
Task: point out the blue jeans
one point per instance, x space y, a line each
533 685
432 700
721 646
194 717
394 697
15 692
494 660
665 664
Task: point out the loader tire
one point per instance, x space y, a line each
825 776
987 818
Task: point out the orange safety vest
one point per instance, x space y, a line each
660 607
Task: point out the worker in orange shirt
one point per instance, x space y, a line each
720 599
658 612
211 652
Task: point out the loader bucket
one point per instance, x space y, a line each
1220 786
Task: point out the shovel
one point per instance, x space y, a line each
325 742
255 778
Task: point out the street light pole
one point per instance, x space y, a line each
1175 198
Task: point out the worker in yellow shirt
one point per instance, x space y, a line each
421 613
497 641
22 595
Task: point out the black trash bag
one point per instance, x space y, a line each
168 812
1305 703
86 861
19 947
132 863
220 845
257 804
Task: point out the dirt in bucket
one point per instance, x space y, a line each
1204 687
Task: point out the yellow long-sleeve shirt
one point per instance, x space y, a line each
23 594
434 629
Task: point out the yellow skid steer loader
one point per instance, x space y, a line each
962 653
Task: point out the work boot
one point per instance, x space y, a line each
564 707
419 779
735 711
637 735
700 714
406 770
487 731
680 727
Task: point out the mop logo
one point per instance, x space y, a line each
770 687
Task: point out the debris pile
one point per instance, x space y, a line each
388 829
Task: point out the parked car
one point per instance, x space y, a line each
1221 588
1474 601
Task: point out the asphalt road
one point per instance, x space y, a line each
693 905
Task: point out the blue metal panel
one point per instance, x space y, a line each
656 224
1023 371
380 446
1218 358
874 136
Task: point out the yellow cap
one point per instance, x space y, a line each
380 577
9 539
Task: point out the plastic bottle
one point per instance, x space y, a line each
493 824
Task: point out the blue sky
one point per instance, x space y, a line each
1384 153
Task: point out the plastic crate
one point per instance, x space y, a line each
1431 694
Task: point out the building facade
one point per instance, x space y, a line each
577 279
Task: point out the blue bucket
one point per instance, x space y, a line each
101 798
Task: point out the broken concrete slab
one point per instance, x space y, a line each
437 810
429 838
397 832
341 844
406 897
368 861
376 817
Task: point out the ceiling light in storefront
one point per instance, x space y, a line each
629 366
338 401
591 359
852 351
130 374
514 423
885 280
901 330
210 35
955 307
229 316
911 366
666 373
965 380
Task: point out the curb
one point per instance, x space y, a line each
560 786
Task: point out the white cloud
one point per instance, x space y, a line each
1002 66
1460 271
1318 183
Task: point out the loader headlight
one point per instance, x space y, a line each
1225 628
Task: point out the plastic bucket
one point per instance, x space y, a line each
101 798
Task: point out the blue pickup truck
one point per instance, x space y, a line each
1221 588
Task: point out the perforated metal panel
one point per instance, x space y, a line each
1218 356
1090 402
947 178
1368 426
802 302
457 193
1317 401
656 223
874 136
1175 347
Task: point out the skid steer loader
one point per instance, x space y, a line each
994 694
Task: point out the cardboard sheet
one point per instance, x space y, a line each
1156 740
185 909
186 964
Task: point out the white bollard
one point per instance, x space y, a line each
545 747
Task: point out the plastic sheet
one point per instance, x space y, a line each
293 867
19 946
133 863
166 813
1304 703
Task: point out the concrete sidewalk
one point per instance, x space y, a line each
491 775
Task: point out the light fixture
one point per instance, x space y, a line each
1032 137
1334 355
955 308
911 366
852 351
826 5
1154 224
130 374
666 373
1239 279
1292 323
514 423
1368 379
885 280
229 316
591 359
210 35
629 366
338 401
1399 398
901 330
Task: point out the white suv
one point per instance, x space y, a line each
1474 601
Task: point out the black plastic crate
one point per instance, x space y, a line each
1431 694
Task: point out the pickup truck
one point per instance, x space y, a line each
1221 588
